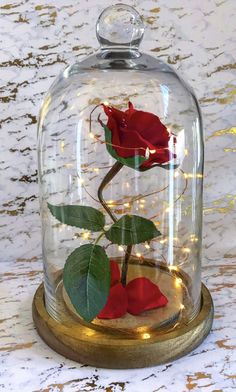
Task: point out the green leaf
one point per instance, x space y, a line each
134 162
86 278
80 216
132 229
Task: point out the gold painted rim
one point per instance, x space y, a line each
104 349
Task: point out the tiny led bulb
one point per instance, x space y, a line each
173 268
126 204
138 254
120 248
86 235
147 246
147 153
178 282
186 250
91 135
146 335
163 241
182 306
193 238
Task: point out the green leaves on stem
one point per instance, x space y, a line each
128 230
80 216
86 278
132 229
86 274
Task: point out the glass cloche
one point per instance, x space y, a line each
120 149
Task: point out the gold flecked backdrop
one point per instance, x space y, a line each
38 38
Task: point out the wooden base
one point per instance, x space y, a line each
110 350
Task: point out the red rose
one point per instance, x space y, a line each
134 133
139 295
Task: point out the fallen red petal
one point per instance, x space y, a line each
115 272
144 295
116 305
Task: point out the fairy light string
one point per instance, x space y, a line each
128 201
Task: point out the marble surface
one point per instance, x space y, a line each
37 39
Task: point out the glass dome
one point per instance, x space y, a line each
120 172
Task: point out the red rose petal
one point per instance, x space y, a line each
131 109
149 126
119 116
132 144
160 156
115 272
116 305
144 295
115 130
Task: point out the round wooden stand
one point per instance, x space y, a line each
101 348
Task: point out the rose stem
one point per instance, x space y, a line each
125 265
108 177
